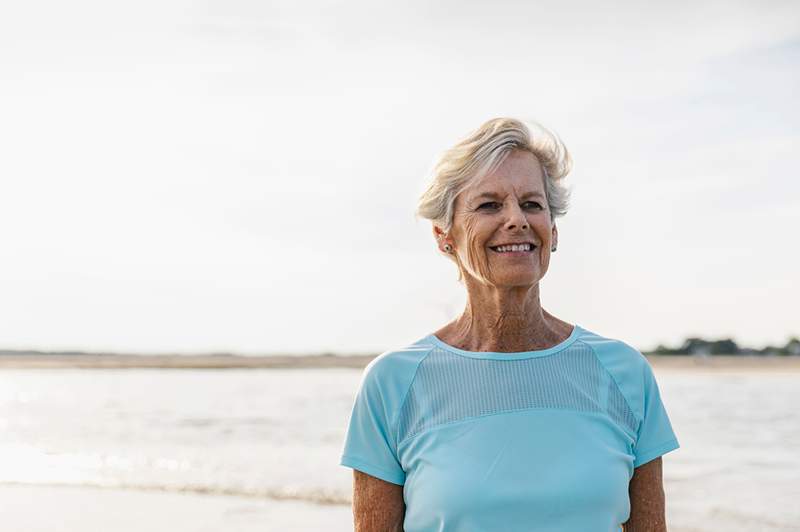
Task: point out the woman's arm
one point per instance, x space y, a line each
378 505
646 493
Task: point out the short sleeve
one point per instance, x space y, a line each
371 441
655 436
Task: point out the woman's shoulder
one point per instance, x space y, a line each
611 351
628 367
398 366
410 353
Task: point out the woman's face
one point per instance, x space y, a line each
507 206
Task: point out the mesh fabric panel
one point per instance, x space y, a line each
449 387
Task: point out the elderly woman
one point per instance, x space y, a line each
508 418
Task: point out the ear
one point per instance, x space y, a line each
441 238
555 237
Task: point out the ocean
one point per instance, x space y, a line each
273 436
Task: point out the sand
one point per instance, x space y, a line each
726 363
70 509
110 361
55 361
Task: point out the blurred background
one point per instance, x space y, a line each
187 178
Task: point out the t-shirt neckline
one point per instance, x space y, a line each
517 355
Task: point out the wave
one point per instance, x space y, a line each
315 496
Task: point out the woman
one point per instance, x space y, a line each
508 418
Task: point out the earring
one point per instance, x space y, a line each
448 248
553 249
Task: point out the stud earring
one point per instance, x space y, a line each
553 249
448 248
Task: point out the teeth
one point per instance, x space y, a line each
514 247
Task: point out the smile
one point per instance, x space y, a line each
526 247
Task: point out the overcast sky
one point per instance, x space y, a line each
183 176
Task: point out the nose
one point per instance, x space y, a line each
516 219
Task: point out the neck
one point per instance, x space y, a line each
504 320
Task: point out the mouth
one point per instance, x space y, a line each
520 248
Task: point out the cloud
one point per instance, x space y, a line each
281 146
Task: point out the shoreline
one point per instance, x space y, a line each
94 361
723 363
101 361
122 510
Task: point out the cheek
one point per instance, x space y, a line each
472 232
476 256
542 227
468 224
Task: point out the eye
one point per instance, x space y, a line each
489 206
531 205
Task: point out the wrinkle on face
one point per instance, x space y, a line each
477 263
471 230
503 311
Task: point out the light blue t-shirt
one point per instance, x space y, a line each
534 441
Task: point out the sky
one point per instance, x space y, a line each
241 176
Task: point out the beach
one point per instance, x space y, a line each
201 448
125 361
73 508
12 360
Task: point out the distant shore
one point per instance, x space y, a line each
10 360
724 363
56 361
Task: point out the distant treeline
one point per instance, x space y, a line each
690 346
726 346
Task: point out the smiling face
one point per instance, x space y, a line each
507 207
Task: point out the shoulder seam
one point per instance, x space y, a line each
396 420
613 378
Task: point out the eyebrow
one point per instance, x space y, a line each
492 195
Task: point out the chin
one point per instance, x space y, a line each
518 280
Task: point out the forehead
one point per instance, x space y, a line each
519 173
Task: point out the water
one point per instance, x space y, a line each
277 434
738 468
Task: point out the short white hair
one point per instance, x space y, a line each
482 152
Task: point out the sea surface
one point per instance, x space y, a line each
277 434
